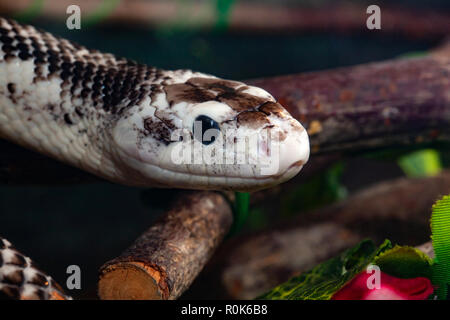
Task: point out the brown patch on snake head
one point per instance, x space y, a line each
197 90
218 85
252 119
185 92
272 108
240 101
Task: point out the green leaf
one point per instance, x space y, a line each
404 262
440 230
421 163
324 280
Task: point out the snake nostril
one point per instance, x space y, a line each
205 129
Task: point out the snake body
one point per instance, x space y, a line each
117 118
21 279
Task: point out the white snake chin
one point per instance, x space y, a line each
139 125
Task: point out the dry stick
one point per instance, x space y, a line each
402 101
398 210
164 261
338 16
21 280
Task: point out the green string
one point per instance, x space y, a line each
440 235
240 212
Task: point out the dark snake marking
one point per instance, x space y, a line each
100 80
197 90
252 110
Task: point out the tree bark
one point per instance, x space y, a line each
164 261
397 102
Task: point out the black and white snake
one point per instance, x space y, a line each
137 125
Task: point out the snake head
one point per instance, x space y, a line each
208 133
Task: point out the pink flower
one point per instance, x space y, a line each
390 288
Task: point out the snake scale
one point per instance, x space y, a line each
21 279
124 122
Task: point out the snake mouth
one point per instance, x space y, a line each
232 183
140 173
299 163
138 170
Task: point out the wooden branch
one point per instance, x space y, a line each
164 261
397 102
250 265
332 17
21 280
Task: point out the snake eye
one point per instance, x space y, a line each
202 129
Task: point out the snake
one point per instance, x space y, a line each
138 125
